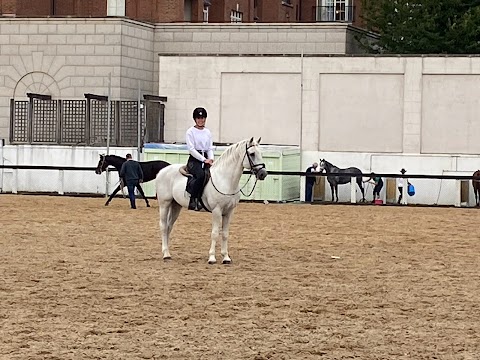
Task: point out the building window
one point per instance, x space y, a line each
115 7
334 10
236 16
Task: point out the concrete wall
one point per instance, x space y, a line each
319 38
72 56
413 112
67 58
367 103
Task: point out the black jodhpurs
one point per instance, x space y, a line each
377 188
196 168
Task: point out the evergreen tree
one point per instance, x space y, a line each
424 26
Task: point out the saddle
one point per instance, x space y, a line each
184 171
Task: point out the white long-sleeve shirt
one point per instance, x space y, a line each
199 139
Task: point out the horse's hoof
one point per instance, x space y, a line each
211 262
167 258
106 204
148 205
226 262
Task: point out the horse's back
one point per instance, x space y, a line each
353 170
151 168
344 179
170 183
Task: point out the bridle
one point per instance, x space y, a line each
102 163
254 169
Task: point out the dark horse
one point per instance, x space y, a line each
150 170
334 181
476 187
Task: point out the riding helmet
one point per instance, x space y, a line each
199 112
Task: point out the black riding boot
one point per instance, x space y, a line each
193 205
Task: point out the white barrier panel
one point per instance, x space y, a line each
353 189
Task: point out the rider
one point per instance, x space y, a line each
200 148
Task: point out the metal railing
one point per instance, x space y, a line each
333 13
456 190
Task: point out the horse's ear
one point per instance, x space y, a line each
259 139
251 141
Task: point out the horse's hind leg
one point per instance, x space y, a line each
140 190
117 189
172 217
359 183
225 230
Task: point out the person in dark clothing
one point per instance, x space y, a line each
200 146
132 175
400 183
378 185
309 182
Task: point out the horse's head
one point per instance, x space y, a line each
102 165
253 159
322 165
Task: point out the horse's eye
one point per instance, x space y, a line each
252 155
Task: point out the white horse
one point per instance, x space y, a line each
220 196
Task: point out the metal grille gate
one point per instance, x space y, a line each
78 122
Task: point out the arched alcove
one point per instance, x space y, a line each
36 82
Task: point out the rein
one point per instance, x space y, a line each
252 167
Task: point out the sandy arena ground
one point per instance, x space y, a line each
83 281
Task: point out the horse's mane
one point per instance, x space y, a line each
329 164
230 155
116 157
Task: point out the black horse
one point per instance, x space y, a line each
334 181
476 187
150 170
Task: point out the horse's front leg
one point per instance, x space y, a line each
225 230
117 189
216 228
336 192
164 209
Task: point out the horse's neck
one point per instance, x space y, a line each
228 171
329 167
116 162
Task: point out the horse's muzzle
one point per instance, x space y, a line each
98 172
261 174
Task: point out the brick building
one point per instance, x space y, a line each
213 11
